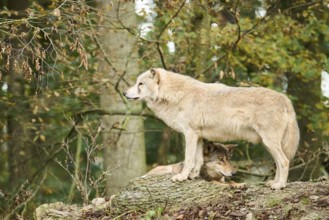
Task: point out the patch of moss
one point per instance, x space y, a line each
273 201
305 201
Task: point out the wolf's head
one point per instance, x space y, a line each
146 86
216 161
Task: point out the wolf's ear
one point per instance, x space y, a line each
208 148
155 75
229 147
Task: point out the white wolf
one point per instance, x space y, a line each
217 112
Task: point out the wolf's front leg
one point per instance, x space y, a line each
191 140
198 160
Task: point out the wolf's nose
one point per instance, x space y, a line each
124 94
233 172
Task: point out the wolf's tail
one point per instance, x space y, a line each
291 137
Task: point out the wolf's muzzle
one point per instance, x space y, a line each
125 95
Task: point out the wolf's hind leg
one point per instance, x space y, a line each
198 160
191 140
281 162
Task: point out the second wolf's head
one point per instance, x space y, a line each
146 87
216 161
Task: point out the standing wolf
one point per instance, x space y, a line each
217 112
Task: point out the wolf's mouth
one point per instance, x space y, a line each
223 174
131 98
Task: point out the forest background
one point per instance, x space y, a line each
66 132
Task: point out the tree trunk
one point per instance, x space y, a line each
17 118
201 48
124 135
157 197
153 191
200 44
258 200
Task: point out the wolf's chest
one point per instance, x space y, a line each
174 120
171 115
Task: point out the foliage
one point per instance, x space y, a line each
152 214
49 82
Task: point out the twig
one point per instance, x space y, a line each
252 174
171 19
212 65
76 167
161 55
7 217
162 31
78 118
238 25
123 214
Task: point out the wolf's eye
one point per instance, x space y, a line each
140 84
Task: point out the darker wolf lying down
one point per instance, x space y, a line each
220 113
215 167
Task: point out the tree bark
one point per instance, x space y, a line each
201 48
123 137
200 21
199 199
18 149
154 191
257 201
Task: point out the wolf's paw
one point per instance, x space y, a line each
235 185
269 183
179 178
194 173
276 185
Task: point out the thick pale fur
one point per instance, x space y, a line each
220 113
